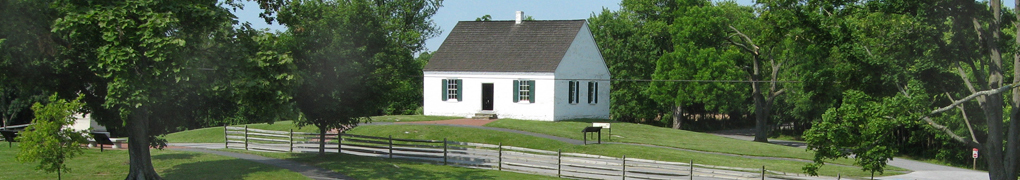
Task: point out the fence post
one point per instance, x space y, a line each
226 140
339 143
624 165
559 163
762 172
444 151
291 140
391 146
500 156
245 137
692 169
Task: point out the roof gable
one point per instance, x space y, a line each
503 46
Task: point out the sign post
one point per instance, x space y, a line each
975 155
604 126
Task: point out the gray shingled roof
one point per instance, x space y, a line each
503 46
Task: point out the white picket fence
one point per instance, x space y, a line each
487 156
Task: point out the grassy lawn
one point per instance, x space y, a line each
170 164
360 167
616 150
633 133
646 134
215 134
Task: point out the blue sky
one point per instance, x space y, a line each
467 10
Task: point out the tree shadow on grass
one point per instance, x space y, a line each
181 156
360 167
218 169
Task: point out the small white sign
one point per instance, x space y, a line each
975 153
603 125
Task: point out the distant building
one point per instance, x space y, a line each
536 70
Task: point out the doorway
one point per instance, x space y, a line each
487 96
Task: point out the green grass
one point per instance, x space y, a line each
646 134
411 118
360 167
633 133
215 134
170 164
464 134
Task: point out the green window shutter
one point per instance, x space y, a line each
531 91
570 92
460 89
591 90
596 92
445 83
576 92
517 91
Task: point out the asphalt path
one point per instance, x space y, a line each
919 170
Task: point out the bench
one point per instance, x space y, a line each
101 138
9 136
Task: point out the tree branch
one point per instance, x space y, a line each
965 119
972 142
966 79
972 96
754 48
951 134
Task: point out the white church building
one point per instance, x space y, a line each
546 70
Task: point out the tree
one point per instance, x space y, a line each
484 18
350 56
962 63
48 140
154 66
628 46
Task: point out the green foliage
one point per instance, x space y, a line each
48 140
95 165
353 57
629 51
484 18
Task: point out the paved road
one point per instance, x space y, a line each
306 170
920 170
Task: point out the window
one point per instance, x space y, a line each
452 89
524 90
593 92
574 92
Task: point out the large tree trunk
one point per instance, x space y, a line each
322 140
1013 138
760 117
760 114
678 117
138 146
997 159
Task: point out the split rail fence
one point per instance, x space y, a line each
485 156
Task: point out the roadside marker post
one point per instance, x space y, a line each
975 156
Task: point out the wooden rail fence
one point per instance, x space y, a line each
486 156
